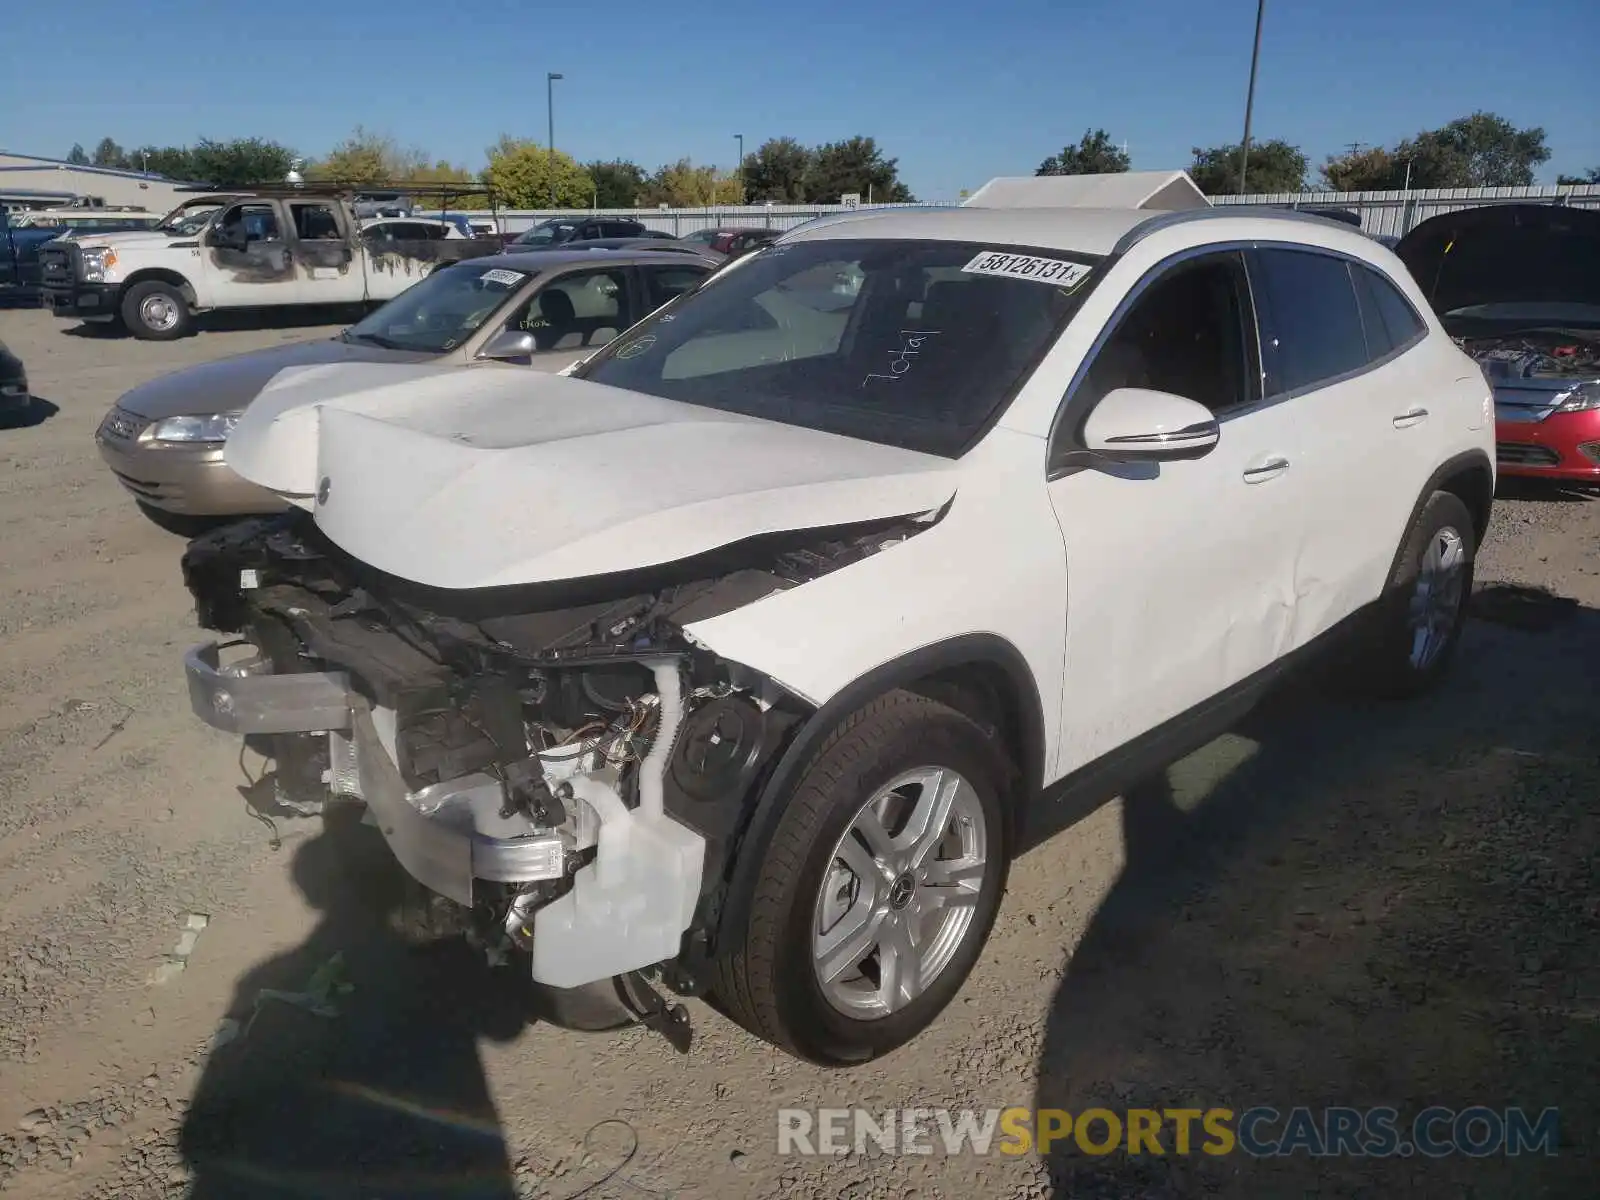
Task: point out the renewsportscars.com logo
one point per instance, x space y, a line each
1261 1132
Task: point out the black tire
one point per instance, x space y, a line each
1386 666
766 980
133 311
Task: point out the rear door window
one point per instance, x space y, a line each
665 283
1316 333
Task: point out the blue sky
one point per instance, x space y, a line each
957 91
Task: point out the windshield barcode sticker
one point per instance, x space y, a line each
1023 266
501 275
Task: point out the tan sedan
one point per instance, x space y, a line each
165 439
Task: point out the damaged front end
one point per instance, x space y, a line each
559 760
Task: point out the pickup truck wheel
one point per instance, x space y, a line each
1418 622
156 311
879 887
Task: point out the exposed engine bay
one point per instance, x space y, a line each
1536 354
565 737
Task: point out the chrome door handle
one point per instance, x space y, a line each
1410 417
1268 469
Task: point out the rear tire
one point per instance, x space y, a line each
925 901
1418 622
156 312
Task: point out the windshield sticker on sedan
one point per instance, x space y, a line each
1023 266
502 276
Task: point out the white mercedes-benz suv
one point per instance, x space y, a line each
739 662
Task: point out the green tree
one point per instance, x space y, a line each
777 172
238 162
368 157
1591 176
854 165
684 185
77 156
1274 166
617 184
173 162
1095 154
1374 170
109 154
1480 150
521 173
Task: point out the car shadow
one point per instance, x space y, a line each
1354 905
349 1065
1510 487
38 411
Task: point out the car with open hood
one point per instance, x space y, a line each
165 440
742 660
1518 287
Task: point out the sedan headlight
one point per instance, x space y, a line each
187 430
97 260
1583 398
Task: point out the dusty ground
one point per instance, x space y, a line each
1337 905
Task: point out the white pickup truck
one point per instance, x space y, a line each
262 249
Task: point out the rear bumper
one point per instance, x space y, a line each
1563 446
188 480
626 910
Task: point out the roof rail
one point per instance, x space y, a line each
1167 220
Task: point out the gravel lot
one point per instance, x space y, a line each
1335 905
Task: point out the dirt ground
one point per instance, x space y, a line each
1336 905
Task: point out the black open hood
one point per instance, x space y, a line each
1525 254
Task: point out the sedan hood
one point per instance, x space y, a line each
229 384
1537 264
509 477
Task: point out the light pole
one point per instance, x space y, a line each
550 110
1250 99
739 137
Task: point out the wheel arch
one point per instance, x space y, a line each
159 275
1469 477
981 675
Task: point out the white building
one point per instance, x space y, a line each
38 182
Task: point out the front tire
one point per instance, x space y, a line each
1419 620
879 887
156 312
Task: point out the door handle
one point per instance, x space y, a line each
1265 469
1412 416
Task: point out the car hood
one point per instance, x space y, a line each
228 384
1537 263
129 237
499 478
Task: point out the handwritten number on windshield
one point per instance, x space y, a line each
901 360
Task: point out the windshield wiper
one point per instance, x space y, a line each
350 335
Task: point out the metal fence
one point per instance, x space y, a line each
680 222
1392 213
1397 213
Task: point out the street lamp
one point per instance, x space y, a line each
739 137
1250 99
550 109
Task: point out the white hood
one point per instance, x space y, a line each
488 478
127 237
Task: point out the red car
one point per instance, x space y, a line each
1518 287
733 241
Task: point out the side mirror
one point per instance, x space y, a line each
1139 425
509 343
225 239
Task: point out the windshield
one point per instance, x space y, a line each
437 314
544 235
184 222
911 343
